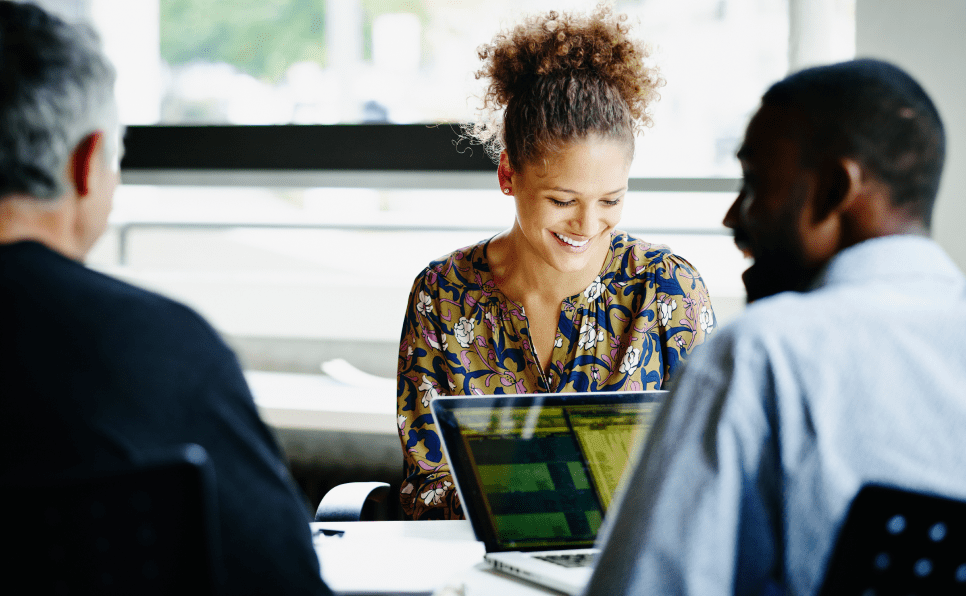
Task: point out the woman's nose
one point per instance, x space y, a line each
584 218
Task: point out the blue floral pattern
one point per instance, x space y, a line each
629 330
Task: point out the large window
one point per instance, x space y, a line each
303 260
412 61
275 233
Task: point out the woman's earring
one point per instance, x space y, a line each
506 191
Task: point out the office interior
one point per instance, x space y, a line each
312 298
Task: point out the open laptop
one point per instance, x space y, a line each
536 473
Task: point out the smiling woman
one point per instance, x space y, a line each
567 209
561 301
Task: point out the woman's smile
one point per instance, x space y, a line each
568 204
572 243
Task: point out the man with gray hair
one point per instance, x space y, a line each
95 373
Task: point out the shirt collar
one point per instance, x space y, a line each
890 257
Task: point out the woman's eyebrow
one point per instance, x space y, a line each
574 192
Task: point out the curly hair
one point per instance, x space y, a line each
560 77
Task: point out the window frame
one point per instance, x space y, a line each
400 156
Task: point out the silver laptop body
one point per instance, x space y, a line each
536 473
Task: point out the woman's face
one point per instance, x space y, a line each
568 205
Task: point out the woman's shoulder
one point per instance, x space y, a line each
634 258
466 265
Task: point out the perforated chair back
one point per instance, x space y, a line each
899 542
145 530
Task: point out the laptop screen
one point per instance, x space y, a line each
539 472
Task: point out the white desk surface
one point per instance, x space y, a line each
378 558
319 402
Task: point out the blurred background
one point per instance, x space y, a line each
306 273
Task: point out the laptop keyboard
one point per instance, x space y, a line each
569 560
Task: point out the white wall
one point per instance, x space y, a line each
131 36
928 39
820 32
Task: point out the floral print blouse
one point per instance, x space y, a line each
629 330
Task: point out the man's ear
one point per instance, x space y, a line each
855 175
840 182
825 230
82 162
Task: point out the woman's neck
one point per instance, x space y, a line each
522 275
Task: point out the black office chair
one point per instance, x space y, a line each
899 542
150 529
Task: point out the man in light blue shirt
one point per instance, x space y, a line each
848 368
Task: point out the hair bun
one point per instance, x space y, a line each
592 49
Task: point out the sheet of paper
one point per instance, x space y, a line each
358 566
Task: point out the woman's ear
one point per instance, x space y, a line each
505 173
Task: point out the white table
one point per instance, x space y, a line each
318 402
378 558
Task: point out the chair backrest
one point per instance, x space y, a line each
354 501
899 542
150 529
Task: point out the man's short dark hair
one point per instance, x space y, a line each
875 113
56 87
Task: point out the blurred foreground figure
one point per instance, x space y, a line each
848 367
95 373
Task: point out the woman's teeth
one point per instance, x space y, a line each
571 241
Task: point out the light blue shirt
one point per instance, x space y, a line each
776 423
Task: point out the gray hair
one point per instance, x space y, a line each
56 88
